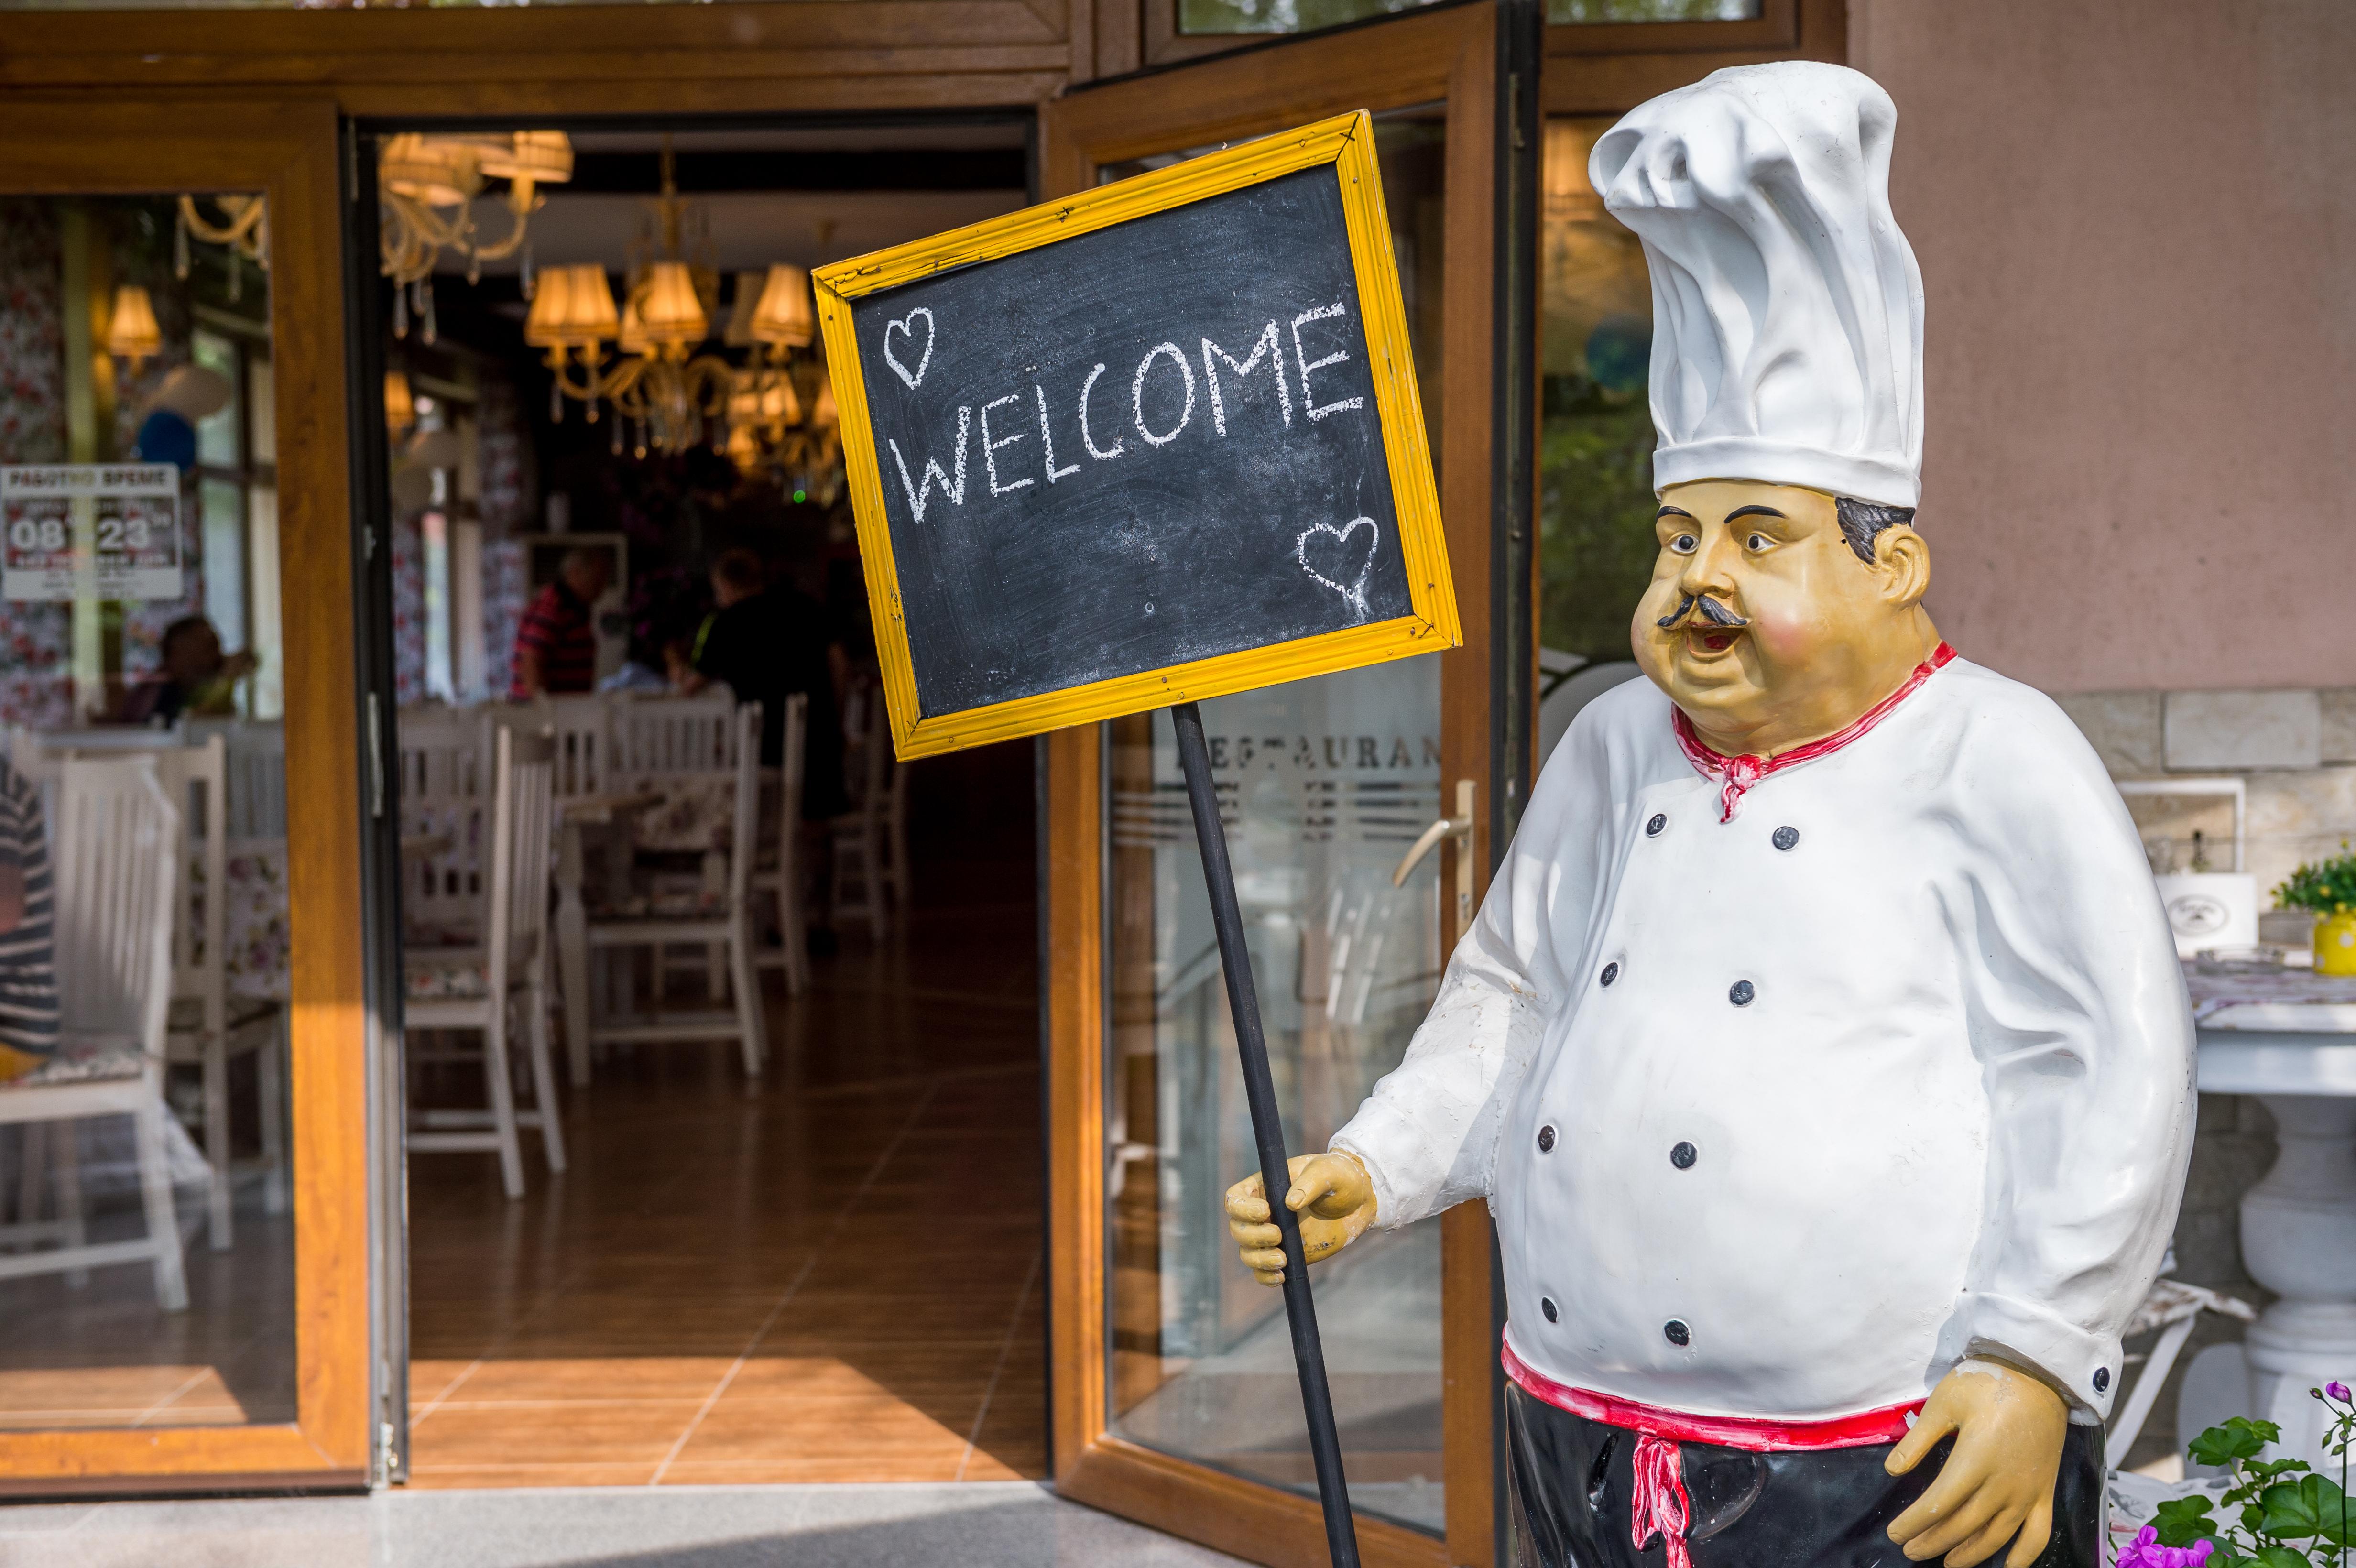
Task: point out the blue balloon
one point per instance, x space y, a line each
1620 352
166 438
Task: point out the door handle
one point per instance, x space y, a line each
1461 827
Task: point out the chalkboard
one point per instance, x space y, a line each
1153 443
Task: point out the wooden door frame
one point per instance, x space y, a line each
286 149
1448 56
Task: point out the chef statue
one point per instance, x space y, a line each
1820 1046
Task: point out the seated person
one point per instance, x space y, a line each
768 643
195 678
29 984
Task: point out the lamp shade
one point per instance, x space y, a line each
542 156
784 315
589 314
823 415
668 312
399 404
551 305
130 331
439 171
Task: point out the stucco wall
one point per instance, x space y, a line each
2137 230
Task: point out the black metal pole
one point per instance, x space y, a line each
1268 1132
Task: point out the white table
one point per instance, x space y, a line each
2298 1223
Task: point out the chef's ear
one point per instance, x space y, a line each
1901 559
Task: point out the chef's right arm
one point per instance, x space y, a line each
1426 1140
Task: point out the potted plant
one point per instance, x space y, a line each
2278 1513
2328 888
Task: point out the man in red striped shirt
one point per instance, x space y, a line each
556 646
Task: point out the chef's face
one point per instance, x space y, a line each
1762 623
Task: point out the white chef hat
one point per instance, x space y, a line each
1787 309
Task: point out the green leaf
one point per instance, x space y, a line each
2301 1509
2181 1521
2240 1439
2253 1519
2279 1557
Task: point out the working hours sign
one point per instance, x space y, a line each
89 531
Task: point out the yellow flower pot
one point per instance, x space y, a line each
2335 943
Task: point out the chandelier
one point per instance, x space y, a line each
427 187
675 397
244 229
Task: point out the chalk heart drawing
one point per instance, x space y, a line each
907 324
1333 557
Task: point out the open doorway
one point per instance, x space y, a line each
721 1048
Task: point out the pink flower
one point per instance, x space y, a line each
2145 1551
2338 1390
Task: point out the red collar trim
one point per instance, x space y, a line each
1751 1435
1734 775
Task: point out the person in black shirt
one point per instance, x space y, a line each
768 643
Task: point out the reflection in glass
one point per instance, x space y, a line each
1324 784
1595 448
131 598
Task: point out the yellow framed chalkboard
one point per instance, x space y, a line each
1154 443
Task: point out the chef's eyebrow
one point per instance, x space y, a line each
1753 512
1672 512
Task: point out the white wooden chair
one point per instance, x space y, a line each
672 734
474 986
444 756
677 736
583 727
115 873
257 775
871 839
718 914
783 878
209 1026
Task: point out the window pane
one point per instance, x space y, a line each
126 764
1325 783
217 433
262 571
1595 449
223 505
262 414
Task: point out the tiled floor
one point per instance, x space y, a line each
830 1275
1004 1525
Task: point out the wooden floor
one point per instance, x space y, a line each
830 1275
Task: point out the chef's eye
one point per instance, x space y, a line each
1756 541
1685 544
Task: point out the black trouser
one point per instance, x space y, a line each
1574 1485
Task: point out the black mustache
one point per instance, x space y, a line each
1716 613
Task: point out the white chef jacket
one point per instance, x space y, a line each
1952 1115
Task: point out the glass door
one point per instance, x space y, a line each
183 1210
1175 1399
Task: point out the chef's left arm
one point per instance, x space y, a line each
2076 1013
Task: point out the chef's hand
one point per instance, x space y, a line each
1332 1193
1998 1482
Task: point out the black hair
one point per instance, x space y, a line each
181 628
1861 521
738 568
